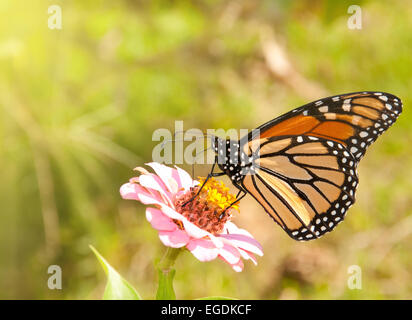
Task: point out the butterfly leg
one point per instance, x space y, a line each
238 198
210 175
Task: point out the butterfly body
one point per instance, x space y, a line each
302 166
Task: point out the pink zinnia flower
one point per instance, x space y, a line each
202 226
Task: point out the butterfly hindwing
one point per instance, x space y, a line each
305 183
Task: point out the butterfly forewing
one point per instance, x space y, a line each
355 119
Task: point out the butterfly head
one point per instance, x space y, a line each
220 147
230 158
217 144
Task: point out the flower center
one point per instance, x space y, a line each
209 209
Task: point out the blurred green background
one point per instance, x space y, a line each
79 106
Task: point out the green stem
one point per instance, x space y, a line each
166 274
168 258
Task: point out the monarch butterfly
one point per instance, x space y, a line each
302 166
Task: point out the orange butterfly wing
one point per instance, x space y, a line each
305 172
355 119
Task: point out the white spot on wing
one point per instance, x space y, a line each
323 109
363 134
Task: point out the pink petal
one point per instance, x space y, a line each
149 197
141 170
203 250
134 180
159 221
166 174
183 179
154 182
171 212
198 233
133 191
243 242
193 230
129 191
246 255
230 254
238 267
233 229
174 239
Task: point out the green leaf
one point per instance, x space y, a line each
165 290
216 298
117 288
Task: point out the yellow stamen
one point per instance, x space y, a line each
217 193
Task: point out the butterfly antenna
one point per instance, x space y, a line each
174 139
